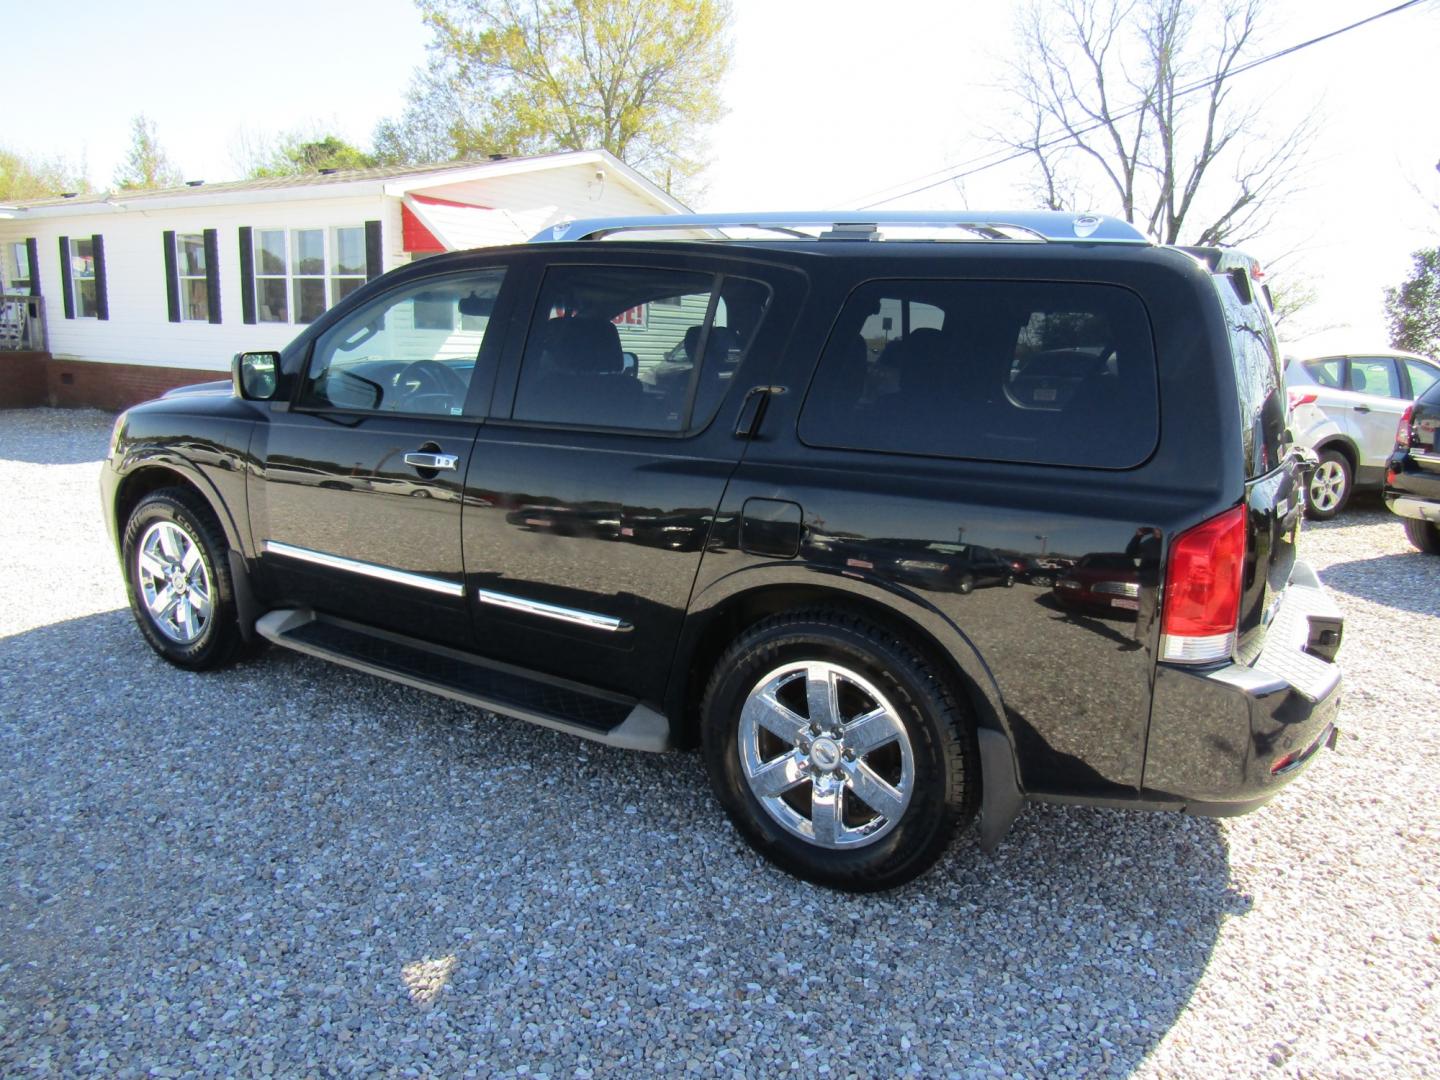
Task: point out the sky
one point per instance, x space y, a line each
830 105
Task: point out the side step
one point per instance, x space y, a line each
553 703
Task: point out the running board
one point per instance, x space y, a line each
553 703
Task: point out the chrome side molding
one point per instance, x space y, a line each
593 620
373 570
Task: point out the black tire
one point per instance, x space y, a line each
1334 468
946 780
1009 580
1423 534
218 638
965 585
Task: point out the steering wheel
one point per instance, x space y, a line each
427 379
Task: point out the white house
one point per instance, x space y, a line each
147 290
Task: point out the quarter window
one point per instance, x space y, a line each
1326 372
1034 372
299 273
397 354
635 348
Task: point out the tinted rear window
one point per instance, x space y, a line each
1041 372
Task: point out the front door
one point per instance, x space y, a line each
593 487
356 506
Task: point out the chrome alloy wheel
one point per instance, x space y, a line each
174 582
826 755
1327 486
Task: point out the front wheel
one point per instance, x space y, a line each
179 581
1329 486
1424 535
837 751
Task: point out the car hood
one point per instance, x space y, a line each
219 386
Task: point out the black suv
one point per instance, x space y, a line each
739 489
1412 475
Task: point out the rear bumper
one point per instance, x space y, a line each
1412 506
1224 740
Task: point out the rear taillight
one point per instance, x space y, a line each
1301 397
1402 433
1202 590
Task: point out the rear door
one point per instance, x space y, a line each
356 500
1377 398
594 484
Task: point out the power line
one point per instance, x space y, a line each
981 164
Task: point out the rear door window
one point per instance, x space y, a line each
1044 372
635 348
1375 375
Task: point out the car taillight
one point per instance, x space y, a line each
1202 590
1402 433
1301 397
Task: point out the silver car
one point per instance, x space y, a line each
1346 409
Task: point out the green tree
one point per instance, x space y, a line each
24 177
295 153
1133 104
1413 309
145 165
639 78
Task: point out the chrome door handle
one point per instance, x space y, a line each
431 461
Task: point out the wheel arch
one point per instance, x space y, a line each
1342 444
142 475
728 607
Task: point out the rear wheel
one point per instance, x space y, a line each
837 751
179 581
1424 535
1329 486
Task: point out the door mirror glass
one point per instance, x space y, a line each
630 364
255 375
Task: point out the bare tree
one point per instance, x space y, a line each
1137 97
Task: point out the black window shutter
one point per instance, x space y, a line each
212 273
102 299
374 253
247 277
172 277
67 286
32 252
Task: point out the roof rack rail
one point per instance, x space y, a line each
1052 226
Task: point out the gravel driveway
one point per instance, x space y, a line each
287 867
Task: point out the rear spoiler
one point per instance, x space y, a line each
1243 270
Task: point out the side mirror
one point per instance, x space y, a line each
629 364
255 376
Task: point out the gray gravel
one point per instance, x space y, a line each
287 867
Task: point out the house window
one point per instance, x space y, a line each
19 268
82 277
194 288
301 272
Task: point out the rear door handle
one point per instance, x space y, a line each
1361 408
423 460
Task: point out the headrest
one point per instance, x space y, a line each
691 342
584 344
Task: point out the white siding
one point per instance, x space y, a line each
138 330
573 190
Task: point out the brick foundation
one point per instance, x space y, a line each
30 379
